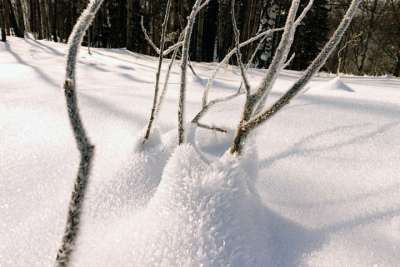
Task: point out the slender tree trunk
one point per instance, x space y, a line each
6 16
2 22
365 43
200 36
26 11
396 71
44 18
53 18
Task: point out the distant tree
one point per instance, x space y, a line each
3 20
312 35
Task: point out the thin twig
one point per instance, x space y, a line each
160 61
228 56
167 51
167 76
212 128
238 53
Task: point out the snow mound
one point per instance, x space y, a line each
201 215
338 85
134 183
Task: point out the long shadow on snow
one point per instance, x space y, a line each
291 241
49 49
113 109
300 148
42 74
387 109
43 47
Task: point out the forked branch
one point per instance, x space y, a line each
245 128
167 51
199 4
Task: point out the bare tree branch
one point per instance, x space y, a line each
167 51
289 61
160 61
147 37
228 56
281 54
167 76
85 147
207 107
262 35
212 128
185 58
271 74
238 53
316 65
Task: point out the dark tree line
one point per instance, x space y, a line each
118 24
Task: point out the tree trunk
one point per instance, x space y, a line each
396 71
2 22
133 31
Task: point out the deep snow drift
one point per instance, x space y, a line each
319 187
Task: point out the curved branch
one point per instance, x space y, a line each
86 149
207 107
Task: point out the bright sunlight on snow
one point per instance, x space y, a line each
318 186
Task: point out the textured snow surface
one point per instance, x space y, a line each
319 187
338 84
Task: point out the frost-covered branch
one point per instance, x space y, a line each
160 61
303 14
85 147
245 128
289 61
263 35
228 56
212 128
213 102
184 64
271 75
238 53
279 58
167 51
167 76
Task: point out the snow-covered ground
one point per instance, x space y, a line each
328 169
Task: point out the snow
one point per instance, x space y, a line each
319 186
338 84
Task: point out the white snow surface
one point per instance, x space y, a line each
318 185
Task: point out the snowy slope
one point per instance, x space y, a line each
328 165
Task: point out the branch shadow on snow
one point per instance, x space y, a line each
292 240
49 49
41 73
42 46
385 109
113 109
300 148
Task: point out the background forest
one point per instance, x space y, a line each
371 45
